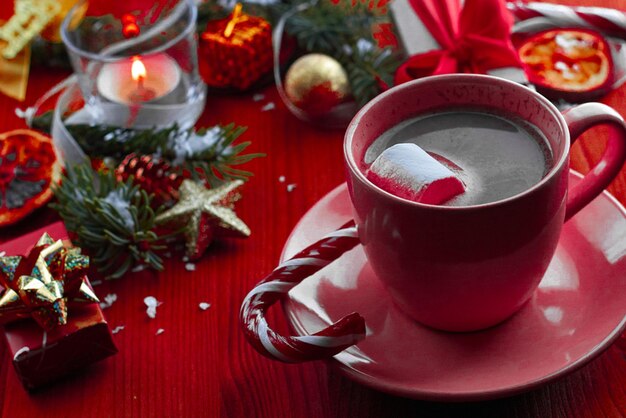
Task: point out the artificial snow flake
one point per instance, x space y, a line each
117 329
190 267
151 303
138 268
79 195
291 187
258 97
281 179
159 331
108 300
122 207
364 45
268 106
204 305
187 143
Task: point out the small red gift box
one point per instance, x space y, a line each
41 356
235 51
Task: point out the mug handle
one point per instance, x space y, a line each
293 349
579 119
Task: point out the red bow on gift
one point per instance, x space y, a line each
475 42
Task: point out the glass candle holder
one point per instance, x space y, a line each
340 115
136 67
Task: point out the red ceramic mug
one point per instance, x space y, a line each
466 268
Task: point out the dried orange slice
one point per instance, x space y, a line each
28 168
574 64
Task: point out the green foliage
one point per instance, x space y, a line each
328 28
344 30
112 220
369 69
214 163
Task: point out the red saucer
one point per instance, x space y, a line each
577 312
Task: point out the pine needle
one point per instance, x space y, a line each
99 141
114 245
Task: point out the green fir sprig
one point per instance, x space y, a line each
369 69
115 220
112 220
207 154
328 27
344 30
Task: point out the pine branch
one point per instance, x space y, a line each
369 69
207 154
345 32
328 27
112 220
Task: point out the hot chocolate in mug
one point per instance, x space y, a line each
463 268
460 267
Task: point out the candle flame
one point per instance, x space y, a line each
234 19
138 70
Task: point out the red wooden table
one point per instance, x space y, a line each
202 366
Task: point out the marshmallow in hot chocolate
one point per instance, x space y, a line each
407 171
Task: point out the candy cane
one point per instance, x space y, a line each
609 21
342 334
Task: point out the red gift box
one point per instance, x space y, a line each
452 36
40 356
235 51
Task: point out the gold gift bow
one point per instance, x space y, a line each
41 284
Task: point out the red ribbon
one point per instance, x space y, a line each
475 42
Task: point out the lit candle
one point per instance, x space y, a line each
138 79
138 74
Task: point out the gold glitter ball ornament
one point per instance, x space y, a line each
316 83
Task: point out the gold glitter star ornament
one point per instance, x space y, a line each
205 213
